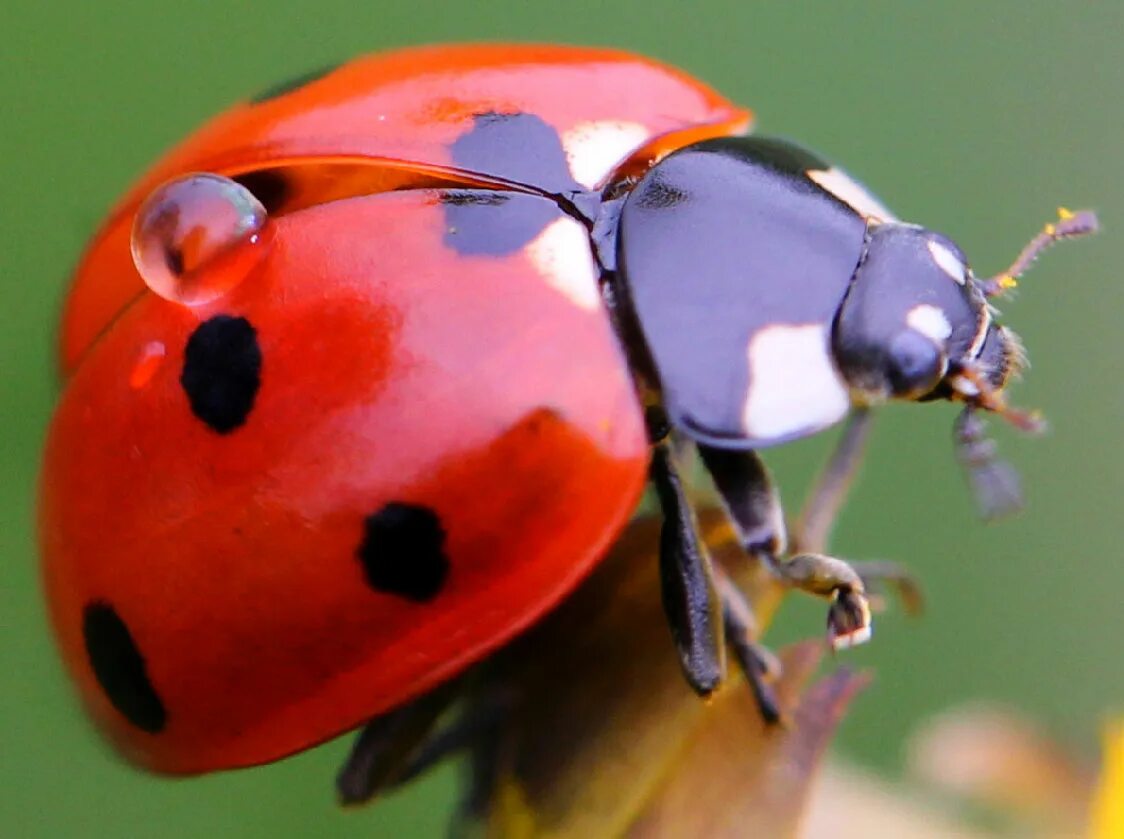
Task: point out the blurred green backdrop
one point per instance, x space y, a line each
975 119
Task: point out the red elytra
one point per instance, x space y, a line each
205 580
404 107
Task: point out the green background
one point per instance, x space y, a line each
974 118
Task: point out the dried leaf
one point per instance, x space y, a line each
608 740
738 778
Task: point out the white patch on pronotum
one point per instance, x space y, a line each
981 333
851 192
929 321
593 149
793 384
948 262
562 257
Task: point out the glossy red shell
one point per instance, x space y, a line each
395 369
405 106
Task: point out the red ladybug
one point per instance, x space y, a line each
365 376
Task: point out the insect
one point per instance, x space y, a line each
364 376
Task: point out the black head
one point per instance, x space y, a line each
917 325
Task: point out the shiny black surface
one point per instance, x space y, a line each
717 242
873 343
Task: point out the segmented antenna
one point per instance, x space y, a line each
1069 225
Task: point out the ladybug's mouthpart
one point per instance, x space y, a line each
1069 225
979 382
971 385
995 483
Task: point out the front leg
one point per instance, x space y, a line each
754 507
690 598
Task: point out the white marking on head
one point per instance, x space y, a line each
948 262
562 256
930 321
593 149
851 192
793 384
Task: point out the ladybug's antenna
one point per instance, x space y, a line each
1069 225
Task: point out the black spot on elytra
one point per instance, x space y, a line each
120 668
403 552
494 223
222 371
520 148
291 84
267 185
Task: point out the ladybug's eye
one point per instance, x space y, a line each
197 237
915 364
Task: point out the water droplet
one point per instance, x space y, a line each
148 362
197 237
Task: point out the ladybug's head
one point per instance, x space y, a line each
916 324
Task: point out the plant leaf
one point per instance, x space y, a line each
606 739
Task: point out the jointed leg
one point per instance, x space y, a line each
754 506
830 490
689 596
396 748
743 482
821 509
382 754
878 575
759 666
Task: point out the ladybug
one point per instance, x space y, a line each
366 375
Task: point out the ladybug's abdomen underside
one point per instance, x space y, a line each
428 438
409 113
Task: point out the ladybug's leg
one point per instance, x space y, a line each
754 506
878 575
481 783
759 666
396 748
813 529
690 598
385 752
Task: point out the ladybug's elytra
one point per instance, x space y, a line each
365 375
